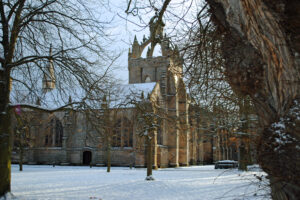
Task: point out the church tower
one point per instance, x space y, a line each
167 71
153 69
48 74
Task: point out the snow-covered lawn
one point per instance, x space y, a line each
197 182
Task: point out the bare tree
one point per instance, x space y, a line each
103 121
200 44
204 73
149 114
259 45
27 30
22 137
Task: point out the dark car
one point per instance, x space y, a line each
225 164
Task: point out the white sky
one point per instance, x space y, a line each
122 32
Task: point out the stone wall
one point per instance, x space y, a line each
152 67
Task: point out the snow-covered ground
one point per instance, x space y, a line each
197 182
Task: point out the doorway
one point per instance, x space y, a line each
87 158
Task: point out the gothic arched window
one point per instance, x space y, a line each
46 140
159 133
116 138
58 133
128 133
49 133
54 132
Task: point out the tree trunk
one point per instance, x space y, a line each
108 158
149 159
5 153
261 47
5 133
21 158
242 158
248 154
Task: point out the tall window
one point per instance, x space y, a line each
116 139
58 133
54 132
141 75
49 133
46 140
128 132
159 136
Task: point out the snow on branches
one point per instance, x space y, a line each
281 137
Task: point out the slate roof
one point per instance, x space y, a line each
56 98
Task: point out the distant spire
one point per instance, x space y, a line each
135 41
50 50
51 59
104 102
142 95
49 74
70 99
148 96
176 47
176 51
149 52
38 101
104 98
135 53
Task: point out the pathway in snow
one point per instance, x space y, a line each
195 183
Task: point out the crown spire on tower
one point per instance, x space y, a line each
135 41
48 74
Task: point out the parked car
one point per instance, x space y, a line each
225 164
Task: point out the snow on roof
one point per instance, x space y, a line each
56 98
50 100
123 93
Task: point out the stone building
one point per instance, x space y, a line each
68 137
187 134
